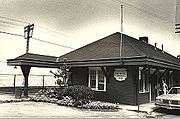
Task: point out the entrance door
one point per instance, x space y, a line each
153 90
153 84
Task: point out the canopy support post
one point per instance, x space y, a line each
25 70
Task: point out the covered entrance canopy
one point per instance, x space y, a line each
104 52
29 60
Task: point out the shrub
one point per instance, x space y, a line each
76 96
79 93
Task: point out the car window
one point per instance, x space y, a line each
174 91
178 91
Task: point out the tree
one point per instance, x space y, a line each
62 74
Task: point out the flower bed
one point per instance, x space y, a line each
99 105
46 96
14 100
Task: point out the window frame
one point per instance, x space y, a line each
97 80
144 79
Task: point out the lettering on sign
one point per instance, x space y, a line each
120 74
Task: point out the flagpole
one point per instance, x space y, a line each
121 35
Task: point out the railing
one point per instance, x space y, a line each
8 82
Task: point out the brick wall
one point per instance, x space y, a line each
79 76
117 91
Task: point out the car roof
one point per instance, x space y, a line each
176 87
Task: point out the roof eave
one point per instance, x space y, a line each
124 61
95 62
32 63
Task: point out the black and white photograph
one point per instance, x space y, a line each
97 59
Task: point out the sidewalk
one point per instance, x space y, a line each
146 108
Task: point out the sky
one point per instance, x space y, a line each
75 23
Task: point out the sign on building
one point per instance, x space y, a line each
120 74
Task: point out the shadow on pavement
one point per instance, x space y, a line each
168 111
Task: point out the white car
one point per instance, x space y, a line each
170 100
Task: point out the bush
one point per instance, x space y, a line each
79 93
76 96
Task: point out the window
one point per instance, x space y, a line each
97 80
143 80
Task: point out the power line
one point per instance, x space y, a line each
15 24
15 20
55 32
10 23
158 9
52 43
13 34
142 10
20 21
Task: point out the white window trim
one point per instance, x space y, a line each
144 82
89 85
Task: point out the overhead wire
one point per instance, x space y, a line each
142 10
21 21
117 1
10 23
52 43
52 31
13 34
15 20
165 20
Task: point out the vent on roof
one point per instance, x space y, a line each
162 48
57 59
144 39
178 56
155 46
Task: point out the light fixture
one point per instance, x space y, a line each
15 67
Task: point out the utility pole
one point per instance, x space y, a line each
28 32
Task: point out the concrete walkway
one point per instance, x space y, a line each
146 108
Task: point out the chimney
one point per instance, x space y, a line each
144 39
155 46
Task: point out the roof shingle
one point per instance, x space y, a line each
109 47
